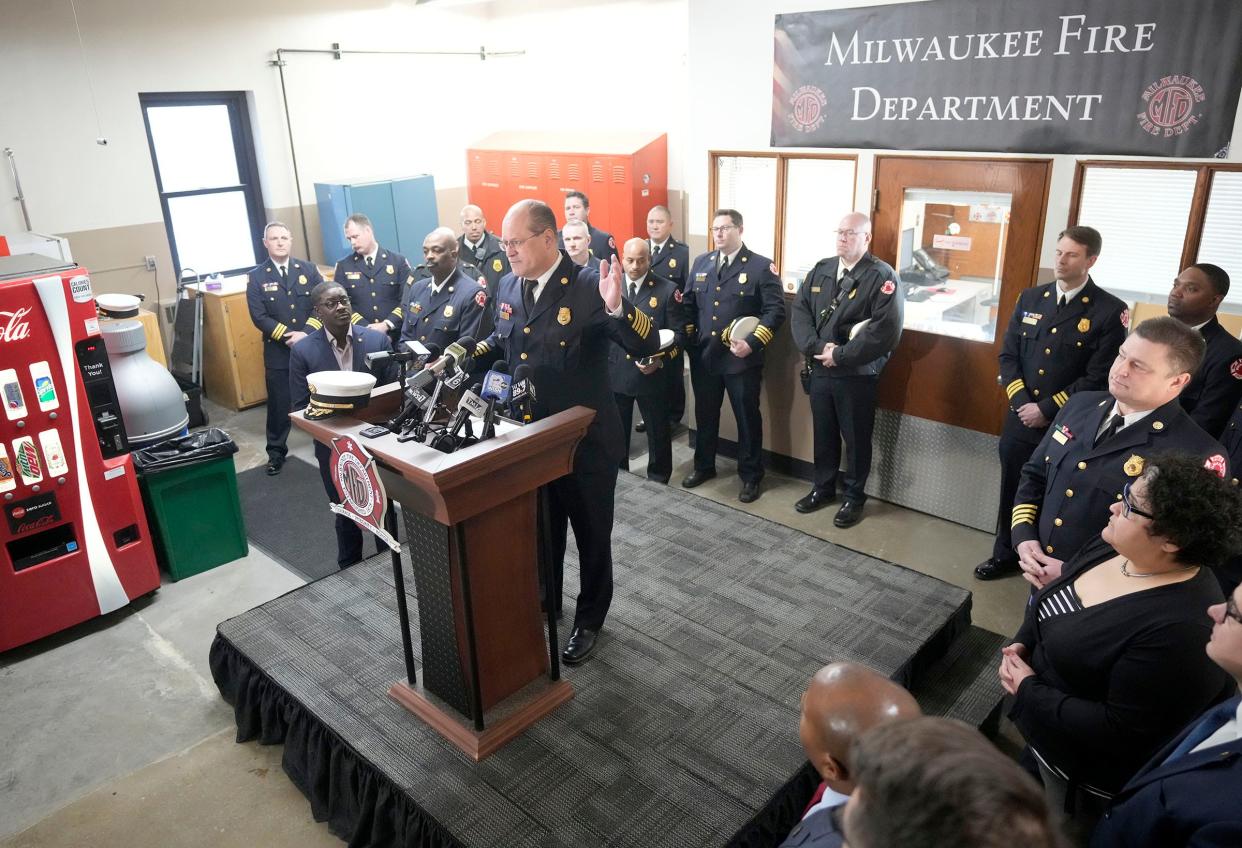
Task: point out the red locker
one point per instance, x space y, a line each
74 541
623 174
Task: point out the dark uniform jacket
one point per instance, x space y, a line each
658 300
566 340
876 298
489 258
1067 485
821 829
1048 354
376 295
1232 440
1192 801
749 286
602 244
277 310
314 353
673 263
443 317
1215 389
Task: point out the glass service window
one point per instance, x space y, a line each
950 257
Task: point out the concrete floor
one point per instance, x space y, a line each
114 734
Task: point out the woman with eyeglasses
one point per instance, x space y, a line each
1109 662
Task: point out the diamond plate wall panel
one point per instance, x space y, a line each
946 471
429 558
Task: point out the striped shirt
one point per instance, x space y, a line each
1062 601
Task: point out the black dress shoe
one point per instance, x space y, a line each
640 427
850 513
274 464
697 478
749 493
995 569
815 500
580 646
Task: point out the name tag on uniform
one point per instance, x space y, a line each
698 278
1031 317
815 289
270 287
1062 434
353 275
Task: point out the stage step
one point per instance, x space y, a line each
962 684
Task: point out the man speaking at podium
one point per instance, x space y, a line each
561 319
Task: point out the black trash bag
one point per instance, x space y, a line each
180 451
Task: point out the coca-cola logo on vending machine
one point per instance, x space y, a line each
13 326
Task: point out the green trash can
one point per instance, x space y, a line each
189 490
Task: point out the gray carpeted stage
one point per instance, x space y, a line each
683 730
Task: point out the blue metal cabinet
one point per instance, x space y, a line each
402 212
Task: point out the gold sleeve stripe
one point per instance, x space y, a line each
763 334
690 328
355 318
1015 387
398 312
482 348
1060 398
641 323
278 331
314 323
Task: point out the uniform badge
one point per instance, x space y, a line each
1125 318
888 288
655 301
1134 465
564 281
1236 369
1084 324
506 311
672 263
678 296
563 316
390 270
301 279
1062 434
480 297
497 265
816 289
416 308
700 277
853 292
742 278
482 282
1216 463
448 310
353 275
772 268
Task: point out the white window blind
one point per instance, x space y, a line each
1221 243
1142 214
818 194
748 184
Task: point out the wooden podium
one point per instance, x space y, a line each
471 524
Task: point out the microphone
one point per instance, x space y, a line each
413 351
496 386
470 405
522 392
453 366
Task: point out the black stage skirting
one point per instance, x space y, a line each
683 728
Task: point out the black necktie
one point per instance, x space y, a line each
724 265
1114 424
1060 302
284 276
528 296
655 254
370 263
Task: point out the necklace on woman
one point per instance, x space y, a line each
1126 573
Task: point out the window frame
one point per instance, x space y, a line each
1204 174
782 181
243 150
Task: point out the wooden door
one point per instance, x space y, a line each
933 375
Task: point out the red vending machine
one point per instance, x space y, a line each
73 542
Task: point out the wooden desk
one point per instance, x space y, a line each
232 347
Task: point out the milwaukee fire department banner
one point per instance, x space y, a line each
1140 77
